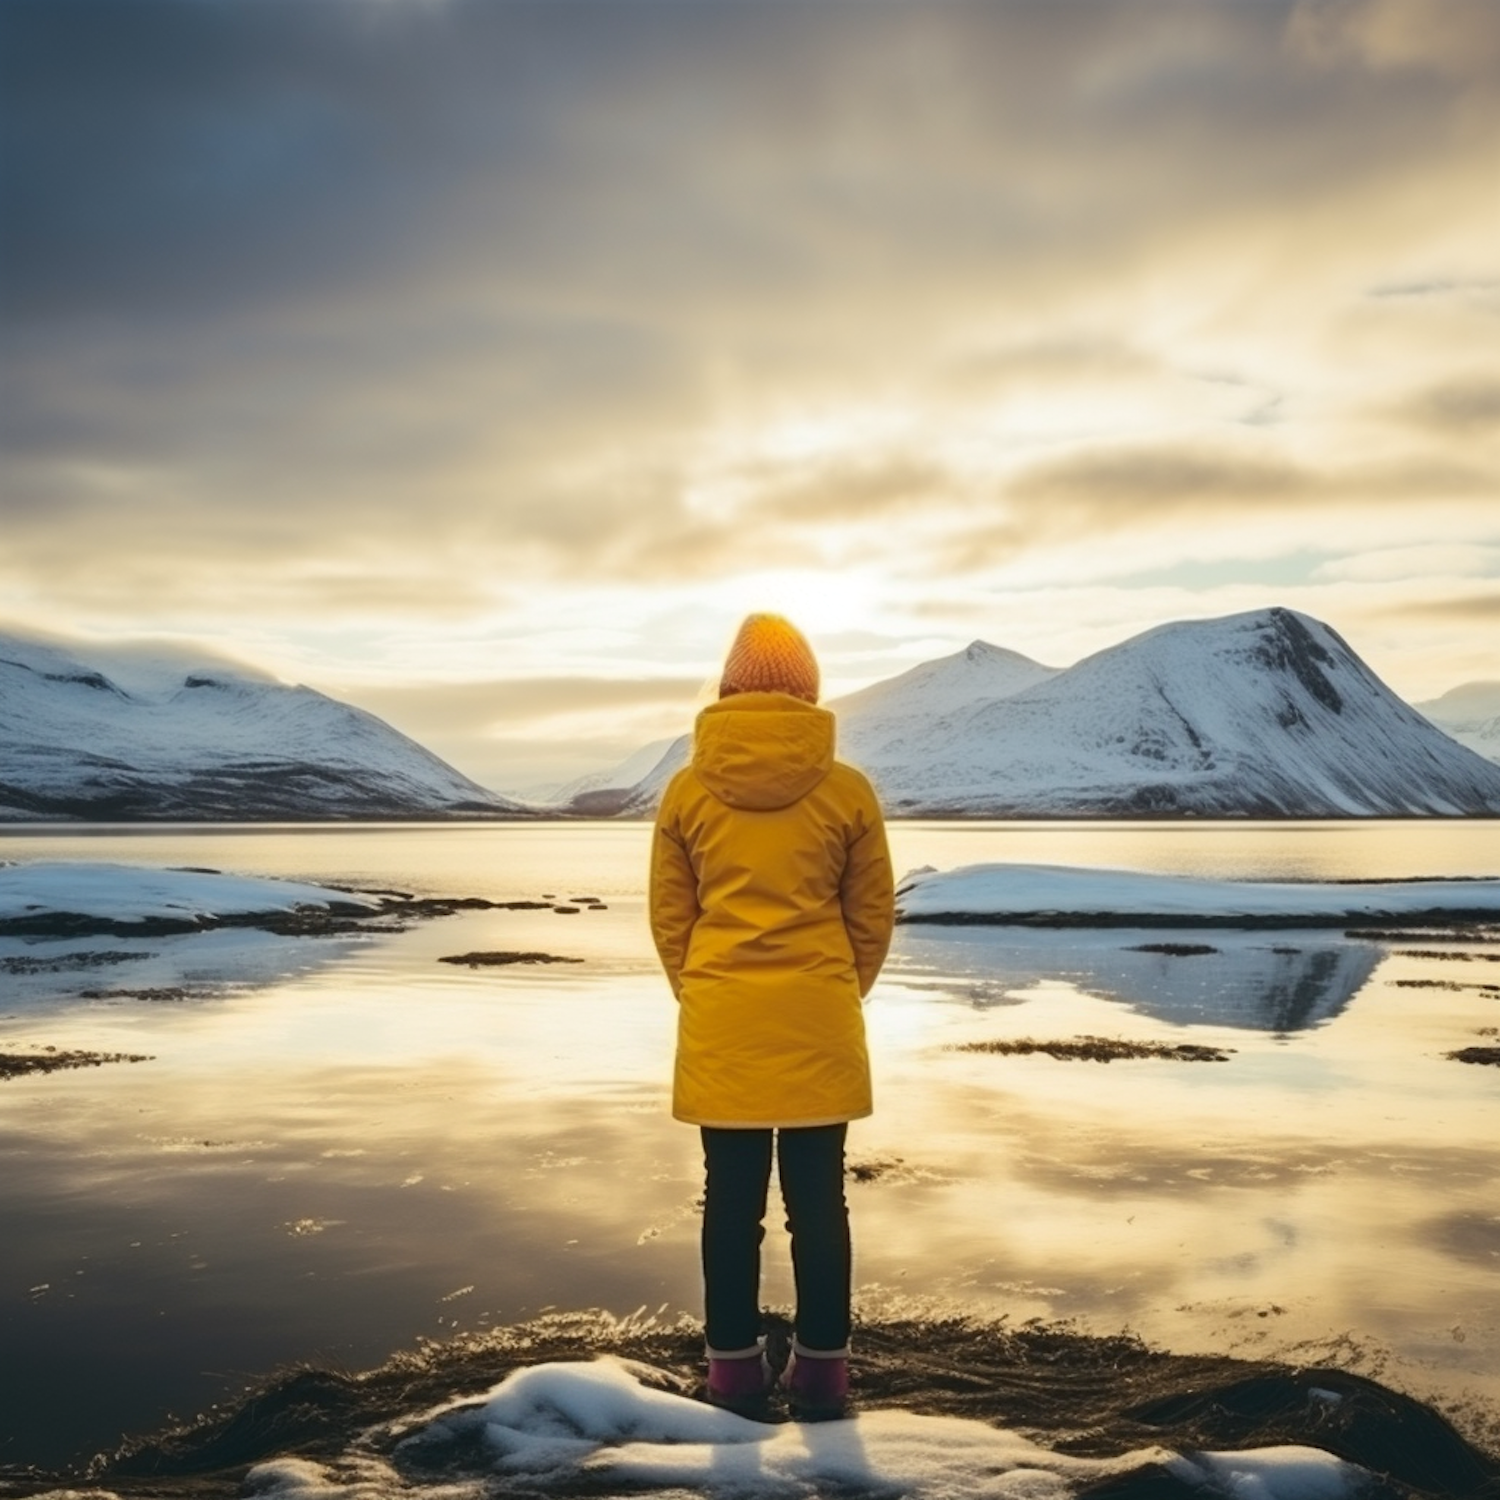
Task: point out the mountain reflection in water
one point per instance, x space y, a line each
1254 981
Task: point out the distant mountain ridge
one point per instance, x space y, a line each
1264 714
889 707
122 733
617 779
1470 714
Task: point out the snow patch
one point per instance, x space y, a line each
1290 1473
599 1425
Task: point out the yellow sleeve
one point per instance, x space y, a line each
867 894
673 899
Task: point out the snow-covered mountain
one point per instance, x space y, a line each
1264 714
980 670
126 732
878 724
1470 714
885 712
1268 713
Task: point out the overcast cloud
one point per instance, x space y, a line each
414 346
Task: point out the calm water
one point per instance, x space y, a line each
342 1146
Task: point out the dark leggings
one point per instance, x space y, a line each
810 1161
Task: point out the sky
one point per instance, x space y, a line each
482 362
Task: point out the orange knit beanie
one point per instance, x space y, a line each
770 655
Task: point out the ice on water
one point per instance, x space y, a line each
126 893
999 891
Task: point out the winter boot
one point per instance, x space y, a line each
740 1381
816 1382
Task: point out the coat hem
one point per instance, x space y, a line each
777 1124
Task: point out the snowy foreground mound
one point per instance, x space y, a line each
127 732
597 1428
1067 895
141 893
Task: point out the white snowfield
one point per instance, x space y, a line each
1003 893
136 893
557 1425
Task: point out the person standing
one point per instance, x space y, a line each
772 906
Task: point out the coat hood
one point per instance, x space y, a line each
762 750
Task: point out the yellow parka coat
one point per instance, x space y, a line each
771 906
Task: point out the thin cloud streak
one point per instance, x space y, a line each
1476 609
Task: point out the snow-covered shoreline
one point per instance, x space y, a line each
1067 895
1071 895
120 893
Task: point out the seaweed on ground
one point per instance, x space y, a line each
1488 1056
891 1169
1446 984
1457 958
1467 934
157 994
1100 1049
491 960
61 963
50 1060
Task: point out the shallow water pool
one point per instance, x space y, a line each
341 1146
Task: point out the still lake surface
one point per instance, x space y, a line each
342 1146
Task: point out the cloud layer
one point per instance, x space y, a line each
457 324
